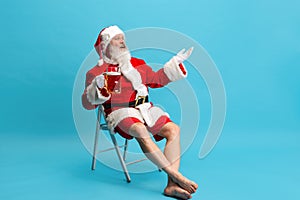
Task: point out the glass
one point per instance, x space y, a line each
112 82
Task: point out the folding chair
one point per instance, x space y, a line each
103 126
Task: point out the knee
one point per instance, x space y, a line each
138 130
172 132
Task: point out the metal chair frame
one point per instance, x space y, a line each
122 158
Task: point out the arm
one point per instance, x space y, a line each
173 70
147 75
154 79
93 95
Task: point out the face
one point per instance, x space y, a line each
118 41
116 47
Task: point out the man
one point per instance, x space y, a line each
127 109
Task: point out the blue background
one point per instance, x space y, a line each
255 45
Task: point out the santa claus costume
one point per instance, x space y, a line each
131 104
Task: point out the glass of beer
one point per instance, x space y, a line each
112 82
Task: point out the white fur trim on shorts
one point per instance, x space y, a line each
115 117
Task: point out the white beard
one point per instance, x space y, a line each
119 55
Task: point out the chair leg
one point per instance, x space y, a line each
125 149
123 164
95 152
96 140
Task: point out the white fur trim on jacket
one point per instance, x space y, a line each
156 113
144 113
94 95
135 78
144 110
100 62
151 113
115 117
173 71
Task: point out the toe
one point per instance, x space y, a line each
177 192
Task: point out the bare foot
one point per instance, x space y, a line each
177 192
185 183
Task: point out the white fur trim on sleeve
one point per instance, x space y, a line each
94 95
173 71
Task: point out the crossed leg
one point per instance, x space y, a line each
178 186
171 132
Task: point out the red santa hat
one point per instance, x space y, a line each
104 39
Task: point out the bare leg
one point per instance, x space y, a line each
151 150
171 132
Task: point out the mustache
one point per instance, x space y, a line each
115 51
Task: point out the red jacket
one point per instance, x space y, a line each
149 78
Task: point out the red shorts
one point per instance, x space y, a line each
123 127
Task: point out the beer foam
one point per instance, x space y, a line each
112 73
